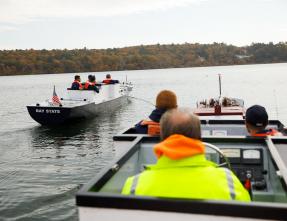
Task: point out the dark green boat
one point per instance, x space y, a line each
262 160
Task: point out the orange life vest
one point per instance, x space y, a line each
88 83
107 80
270 132
153 128
79 83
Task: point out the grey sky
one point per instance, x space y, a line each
72 24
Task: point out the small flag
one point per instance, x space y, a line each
55 98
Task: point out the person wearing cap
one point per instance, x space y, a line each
182 170
165 100
256 120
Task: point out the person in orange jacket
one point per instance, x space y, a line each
77 85
109 80
256 121
91 84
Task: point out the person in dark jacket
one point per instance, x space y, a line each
256 121
165 100
109 80
77 85
91 83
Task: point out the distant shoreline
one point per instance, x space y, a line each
35 62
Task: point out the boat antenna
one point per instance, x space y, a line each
276 104
219 79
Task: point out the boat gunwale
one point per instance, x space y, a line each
237 209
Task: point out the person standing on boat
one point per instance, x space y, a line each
182 171
77 85
165 100
109 80
256 120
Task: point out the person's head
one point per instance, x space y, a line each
180 121
166 100
77 78
256 118
90 77
108 76
93 78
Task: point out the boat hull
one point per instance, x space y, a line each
104 214
47 115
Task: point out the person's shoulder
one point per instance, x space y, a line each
127 186
140 128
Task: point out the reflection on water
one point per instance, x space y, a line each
43 179
43 136
42 168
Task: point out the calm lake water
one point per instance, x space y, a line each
41 168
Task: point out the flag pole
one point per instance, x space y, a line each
219 78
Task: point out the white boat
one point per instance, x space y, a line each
79 104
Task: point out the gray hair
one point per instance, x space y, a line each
180 121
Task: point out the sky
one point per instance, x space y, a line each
100 24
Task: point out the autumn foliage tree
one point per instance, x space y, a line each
16 62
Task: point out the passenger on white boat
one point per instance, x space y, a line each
91 84
256 120
88 82
77 85
165 100
182 171
109 80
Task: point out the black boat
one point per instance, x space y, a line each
79 104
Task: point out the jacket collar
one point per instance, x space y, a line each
178 146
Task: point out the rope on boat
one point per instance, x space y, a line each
141 99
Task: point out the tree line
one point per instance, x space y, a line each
18 62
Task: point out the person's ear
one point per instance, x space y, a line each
247 127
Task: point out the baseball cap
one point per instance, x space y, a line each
256 116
